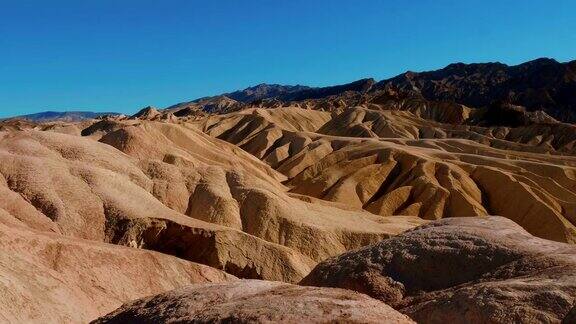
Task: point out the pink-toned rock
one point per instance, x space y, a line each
48 278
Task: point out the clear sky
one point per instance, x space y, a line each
121 55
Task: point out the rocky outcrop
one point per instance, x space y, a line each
462 270
252 301
147 113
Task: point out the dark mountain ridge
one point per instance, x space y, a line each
543 84
266 91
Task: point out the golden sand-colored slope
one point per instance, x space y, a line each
394 163
537 137
176 191
156 186
224 185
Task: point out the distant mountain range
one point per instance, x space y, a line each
280 92
71 116
542 84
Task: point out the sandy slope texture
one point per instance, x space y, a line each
248 196
397 170
545 137
180 197
48 278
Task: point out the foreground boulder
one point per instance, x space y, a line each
462 270
255 301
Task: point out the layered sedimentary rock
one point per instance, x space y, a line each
394 163
177 193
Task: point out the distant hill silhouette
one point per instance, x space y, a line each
542 84
64 115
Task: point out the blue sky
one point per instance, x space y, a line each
105 55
